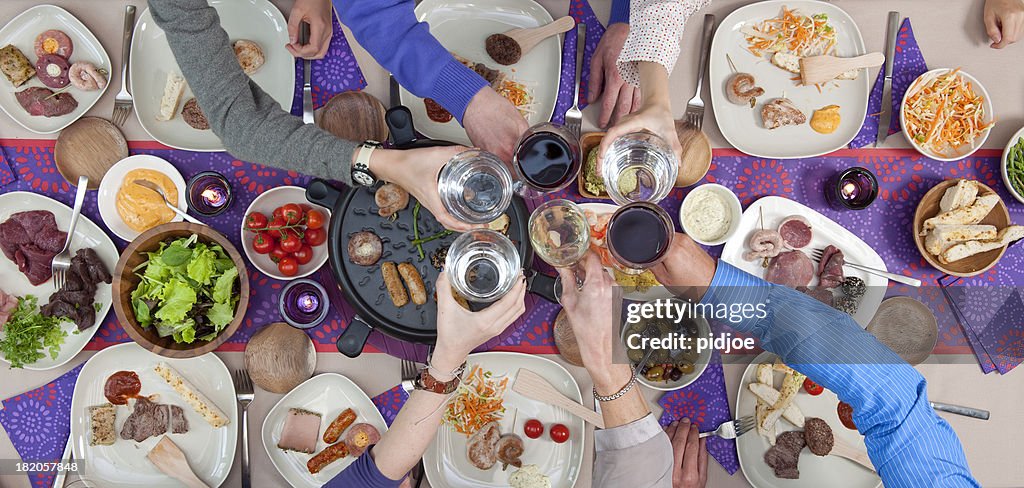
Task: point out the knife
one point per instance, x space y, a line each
307 87
890 52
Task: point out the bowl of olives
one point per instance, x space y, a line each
667 369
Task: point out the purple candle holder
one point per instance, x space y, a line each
304 304
852 189
208 194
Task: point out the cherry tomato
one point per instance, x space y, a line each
288 266
278 213
533 428
263 243
314 219
304 254
275 226
812 387
559 433
845 412
315 237
277 254
292 213
290 242
305 207
256 221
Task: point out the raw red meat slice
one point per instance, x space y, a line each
792 269
795 232
830 268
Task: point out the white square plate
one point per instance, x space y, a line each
22 31
741 125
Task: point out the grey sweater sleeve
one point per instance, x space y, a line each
249 121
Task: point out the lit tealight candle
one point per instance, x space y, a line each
852 189
304 303
208 193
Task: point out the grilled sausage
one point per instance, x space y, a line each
393 282
414 282
329 455
342 422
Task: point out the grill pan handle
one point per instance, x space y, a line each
547 287
323 193
400 126
353 338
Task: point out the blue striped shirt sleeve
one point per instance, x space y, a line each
907 442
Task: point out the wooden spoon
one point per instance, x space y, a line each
847 451
819 69
533 385
526 39
168 458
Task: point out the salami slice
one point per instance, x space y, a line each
54 42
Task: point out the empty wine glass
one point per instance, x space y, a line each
639 167
560 235
475 186
547 158
482 265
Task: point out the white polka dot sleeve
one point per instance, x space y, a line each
655 27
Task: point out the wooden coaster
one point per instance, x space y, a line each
907 326
565 340
279 357
696 154
354 116
89 147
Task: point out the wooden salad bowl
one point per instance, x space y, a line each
974 265
125 281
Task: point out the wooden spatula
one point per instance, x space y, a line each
847 451
168 458
532 385
819 69
529 38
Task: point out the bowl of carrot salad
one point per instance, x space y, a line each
946 114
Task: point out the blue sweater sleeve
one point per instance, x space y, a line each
620 12
363 473
907 442
389 31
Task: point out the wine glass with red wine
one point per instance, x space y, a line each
560 235
547 158
639 235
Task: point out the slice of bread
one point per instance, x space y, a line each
944 236
173 90
199 402
101 425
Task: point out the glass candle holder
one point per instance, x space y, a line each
208 194
547 158
475 186
639 167
852 189
483 265
304 303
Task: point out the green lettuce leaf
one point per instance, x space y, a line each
225 285
201 267
220 315
178 299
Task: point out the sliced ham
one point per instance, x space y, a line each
795 232
791 268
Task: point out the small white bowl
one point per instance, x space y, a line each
986 105
106 195
1002 165
265 204
703 330
731 201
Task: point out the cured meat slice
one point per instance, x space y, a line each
791 268
796 232
39 101
830 268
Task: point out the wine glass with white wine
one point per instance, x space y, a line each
560 235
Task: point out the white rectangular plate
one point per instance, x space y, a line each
741 125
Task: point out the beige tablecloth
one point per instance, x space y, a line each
950 34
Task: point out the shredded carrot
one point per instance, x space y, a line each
478 401
792 32
943 113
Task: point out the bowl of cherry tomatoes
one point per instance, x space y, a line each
283 236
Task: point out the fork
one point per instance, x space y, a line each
574 116
695 107
62 261
244 394
123 100
731 429
906 280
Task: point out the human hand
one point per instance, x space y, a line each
316 13
686 265
655 118
605 83
493 123
1004 21
416 170
459 331
690 468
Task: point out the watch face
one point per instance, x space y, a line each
362 178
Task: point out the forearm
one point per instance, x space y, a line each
638 455
251 124
403 445
389 31
655 28
625 409
654 84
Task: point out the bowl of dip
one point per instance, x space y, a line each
128 209
710 214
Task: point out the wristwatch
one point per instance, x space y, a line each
425 381
361 174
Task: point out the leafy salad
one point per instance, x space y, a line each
27 333
187 290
